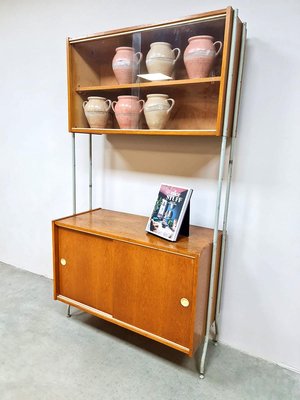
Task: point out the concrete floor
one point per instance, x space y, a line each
46 356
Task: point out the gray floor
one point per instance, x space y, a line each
46 356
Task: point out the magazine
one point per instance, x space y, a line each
169 211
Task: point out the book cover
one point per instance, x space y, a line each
169 210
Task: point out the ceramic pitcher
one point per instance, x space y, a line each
157 110
199 55
125 64
96 111
127 110
162 58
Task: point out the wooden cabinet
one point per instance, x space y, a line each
106 264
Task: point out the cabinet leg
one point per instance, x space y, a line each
205 345
69 312
216 333
203 356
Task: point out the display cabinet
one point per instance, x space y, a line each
199 102
181 77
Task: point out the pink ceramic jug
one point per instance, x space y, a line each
199 56
125 64
127 110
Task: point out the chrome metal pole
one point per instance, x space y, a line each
214 255
90 172
230 165
74 171
219 194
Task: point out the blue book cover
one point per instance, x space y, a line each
169 211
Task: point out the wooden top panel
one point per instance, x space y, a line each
191 18
131 228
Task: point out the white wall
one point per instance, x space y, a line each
261 305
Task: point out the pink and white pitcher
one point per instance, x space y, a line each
199 56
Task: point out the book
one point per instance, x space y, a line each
169 211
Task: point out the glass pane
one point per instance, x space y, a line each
163 78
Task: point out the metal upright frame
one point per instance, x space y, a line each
90 172
74 183
220 182
230 165
74 171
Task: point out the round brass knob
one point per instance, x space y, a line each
63 261
184 302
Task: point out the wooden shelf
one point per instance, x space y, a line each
142 85
146 132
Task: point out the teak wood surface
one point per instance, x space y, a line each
115 270
131 228
83 252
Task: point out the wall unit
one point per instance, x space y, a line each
104 262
